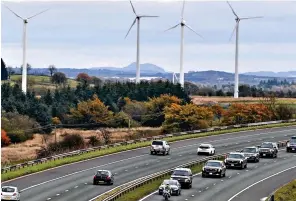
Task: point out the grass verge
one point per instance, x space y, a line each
51 164
144 190
287 192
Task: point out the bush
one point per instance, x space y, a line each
123 120
284 112
94 141
71 142
19 128
5 140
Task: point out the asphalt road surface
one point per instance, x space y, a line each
241 185
74 182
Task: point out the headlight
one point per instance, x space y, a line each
161 188
186 180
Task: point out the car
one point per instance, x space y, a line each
10 193
252 153
291 145
236 160
206 149
160 146
174 184
214 168
103 176
183 176
268 149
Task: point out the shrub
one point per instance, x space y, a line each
5 140
94 141
106 135
74 141
284 112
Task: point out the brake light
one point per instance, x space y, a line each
14 194
108 178
94 176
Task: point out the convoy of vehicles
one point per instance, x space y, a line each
10 193
291 145
206 149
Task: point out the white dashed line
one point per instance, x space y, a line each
48 199
126 170
192 195
57 194
222 180
199 191
247 170
85 183
249 141
229 177
76 187
214 184
147 163
256 166
238 173
66 190
136 167
207 188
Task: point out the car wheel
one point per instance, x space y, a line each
198 153
159 193
94 183
169 152
224 175
246 165
275 156
203 175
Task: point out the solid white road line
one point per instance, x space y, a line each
260 182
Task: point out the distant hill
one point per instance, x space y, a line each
272 74
145 68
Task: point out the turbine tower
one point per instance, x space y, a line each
25 21
182 23
137 19
236 30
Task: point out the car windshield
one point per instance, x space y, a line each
235 156
181 173
204 147
266 145
249 150
156 143
171 182
293 140
102 173
213 164
8 190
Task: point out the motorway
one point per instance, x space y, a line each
74 182
237 185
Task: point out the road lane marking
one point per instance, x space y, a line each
57 194
263 199
260 182
48 199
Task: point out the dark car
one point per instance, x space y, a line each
103 176
268 149
183 176
252 154
291 145
214 168
236 160
174 184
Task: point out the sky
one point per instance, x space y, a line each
87 34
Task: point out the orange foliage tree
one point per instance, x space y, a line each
218 111
83 77
247 113
5 140
186 117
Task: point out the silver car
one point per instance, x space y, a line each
10 193
174 184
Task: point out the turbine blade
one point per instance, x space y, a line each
172 27
38 13
232 9
131 27
133 7
247 18
13 11
183 9
233 32
148 16
194 31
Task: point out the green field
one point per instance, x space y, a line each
40 84
287 192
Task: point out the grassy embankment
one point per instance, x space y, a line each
287 192
68 160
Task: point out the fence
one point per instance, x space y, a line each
82 151
145 180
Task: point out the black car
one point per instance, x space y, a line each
252 153
183 176
103 176
291 145
214 168
236 160
268 149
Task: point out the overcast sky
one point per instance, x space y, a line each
91 34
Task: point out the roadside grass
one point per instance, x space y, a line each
287 192
146 189
59 162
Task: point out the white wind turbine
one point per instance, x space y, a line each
25 21
236 29
182 23
137 19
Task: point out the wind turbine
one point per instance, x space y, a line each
236 29
25 21
182 23
137 19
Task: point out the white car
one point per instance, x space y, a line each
159 146
10 193
206 149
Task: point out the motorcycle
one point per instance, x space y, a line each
166 195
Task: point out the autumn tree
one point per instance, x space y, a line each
5 140
218 111
83 78
59 78
135 109
52 69
186 117
91 111
155 107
